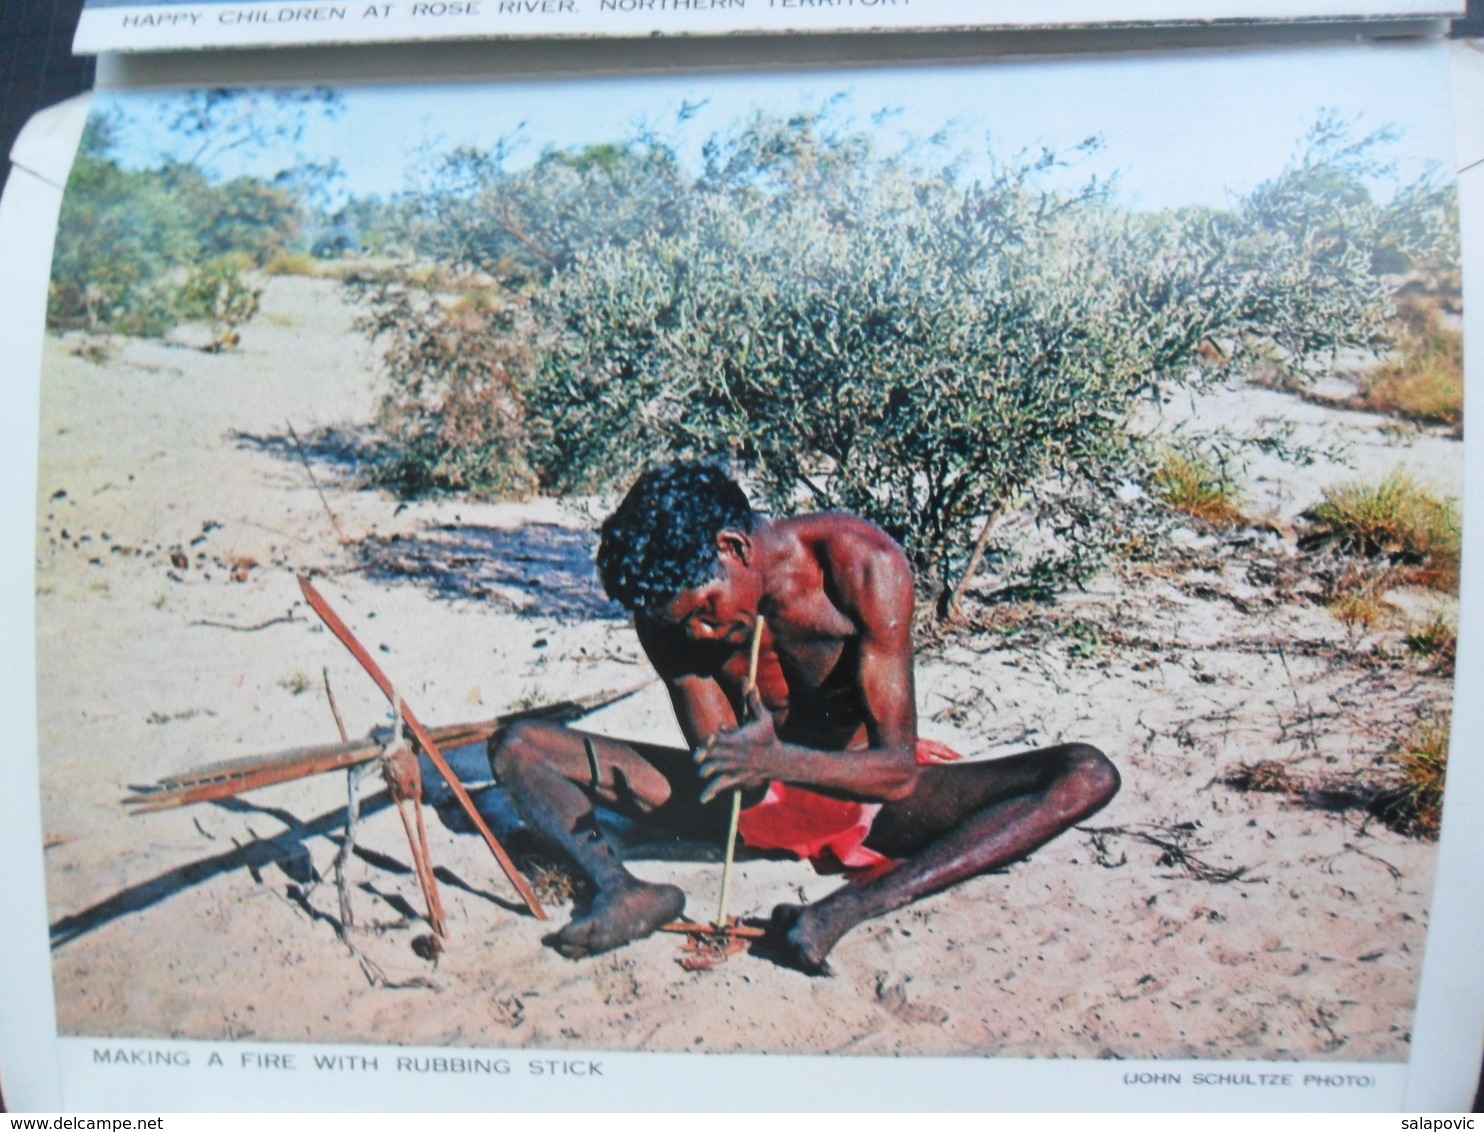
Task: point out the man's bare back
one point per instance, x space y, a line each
829 736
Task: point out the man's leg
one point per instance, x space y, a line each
962 820
553 775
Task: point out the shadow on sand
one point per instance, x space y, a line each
288 851
539 569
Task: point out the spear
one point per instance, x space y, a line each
228 778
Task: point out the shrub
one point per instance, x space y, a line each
866 333
1413 804
1358 600
1406 792
453 415
1437 640
1395 520
873 333
293 263
525 225
215 293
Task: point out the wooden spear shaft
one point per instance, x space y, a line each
342 631
235 776
726 868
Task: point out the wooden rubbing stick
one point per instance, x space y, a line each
404 780
741 931
424 740
726 868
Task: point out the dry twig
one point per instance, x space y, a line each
1172 842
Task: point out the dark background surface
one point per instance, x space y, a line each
37 69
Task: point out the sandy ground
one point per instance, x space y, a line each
218 921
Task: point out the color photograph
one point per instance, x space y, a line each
908 561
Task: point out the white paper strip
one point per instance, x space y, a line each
107 25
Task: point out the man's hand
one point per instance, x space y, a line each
745 757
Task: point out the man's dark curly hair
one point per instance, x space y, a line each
661 541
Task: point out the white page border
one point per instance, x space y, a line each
257 23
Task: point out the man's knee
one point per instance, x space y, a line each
515 749
1096 777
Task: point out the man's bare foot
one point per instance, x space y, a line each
619 917
803 938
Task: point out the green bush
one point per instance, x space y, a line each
524 225
215 293
867 333
873 333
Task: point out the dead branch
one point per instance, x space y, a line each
286 619
1173 852
325 503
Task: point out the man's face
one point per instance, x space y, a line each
723 609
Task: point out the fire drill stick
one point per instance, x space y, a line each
726 868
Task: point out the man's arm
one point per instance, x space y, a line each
872 585
701 706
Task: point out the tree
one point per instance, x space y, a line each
525 225
209 124
118 236
139 250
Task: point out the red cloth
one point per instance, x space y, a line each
830 832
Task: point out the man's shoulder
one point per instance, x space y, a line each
858 557
844 534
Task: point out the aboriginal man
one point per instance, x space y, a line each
825 749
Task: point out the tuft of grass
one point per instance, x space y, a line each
1425 383
1193 486
1407 795
1414 805
1086 639
293 263
1396 520
296 683
95 348
1437 640
1361 608
1268 776
1332 792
